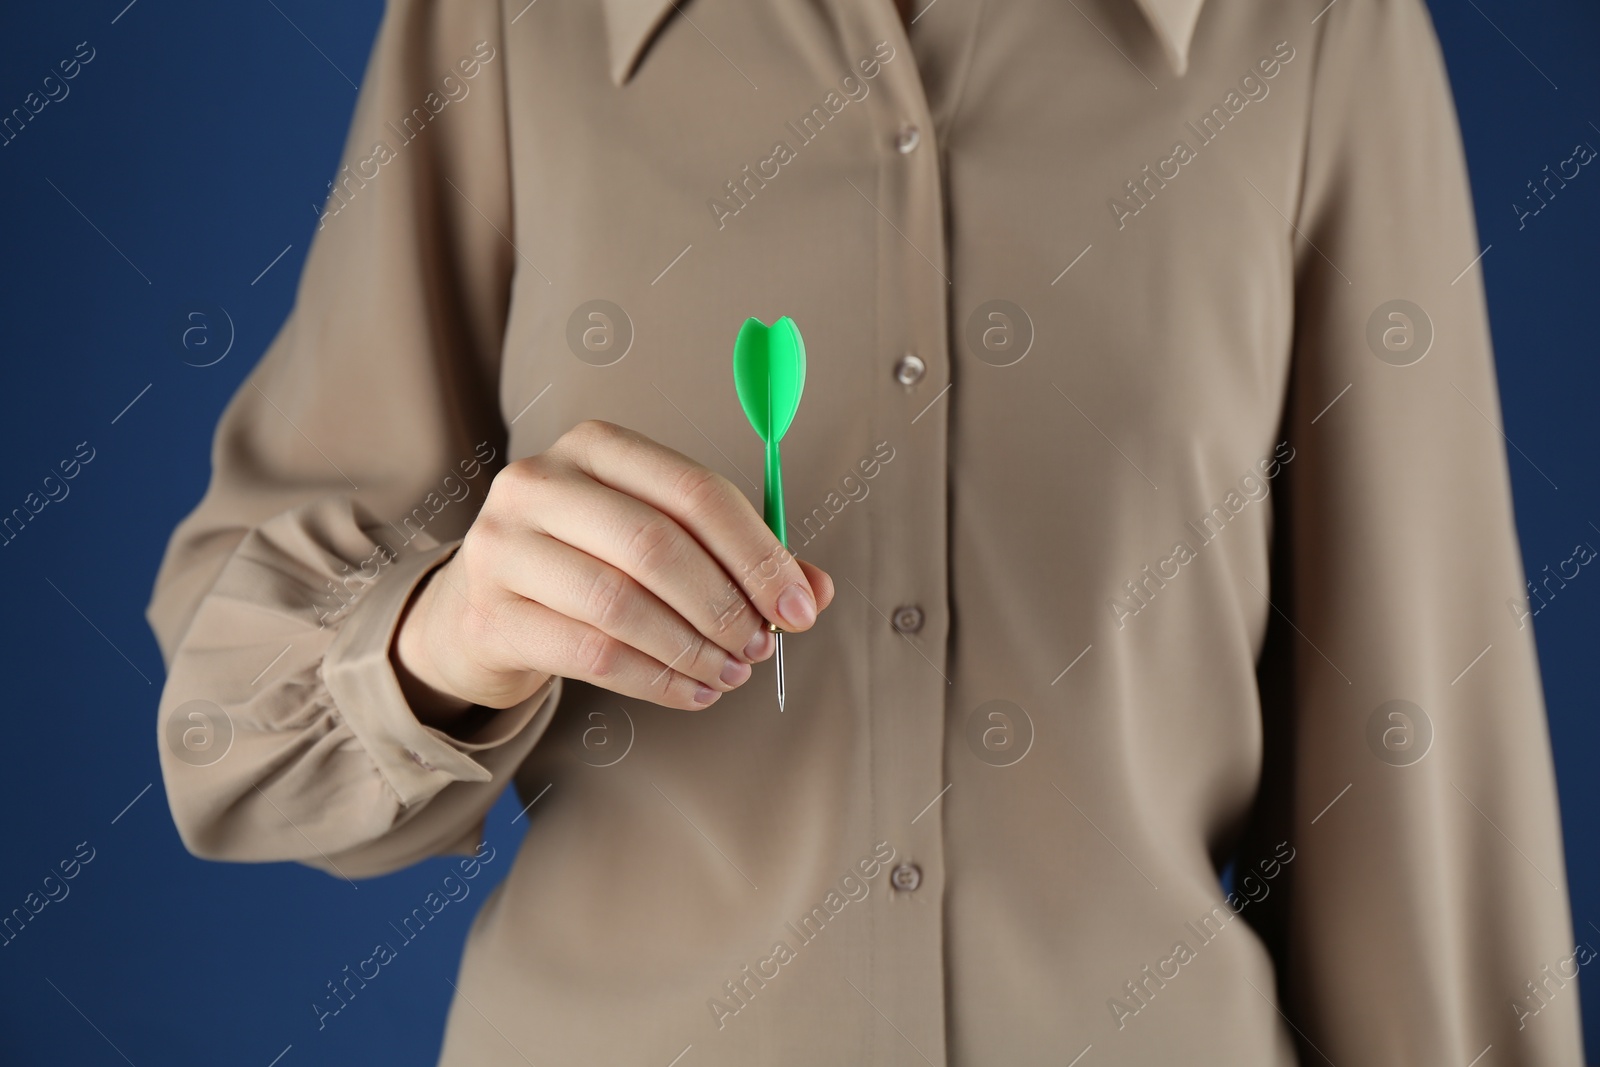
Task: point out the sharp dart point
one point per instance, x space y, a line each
778 659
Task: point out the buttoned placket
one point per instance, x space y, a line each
907 694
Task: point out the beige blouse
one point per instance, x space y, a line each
1150 434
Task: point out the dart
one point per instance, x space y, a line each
769 374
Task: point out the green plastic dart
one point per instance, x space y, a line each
769 373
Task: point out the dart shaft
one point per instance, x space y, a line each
772 496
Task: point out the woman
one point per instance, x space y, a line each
1149 488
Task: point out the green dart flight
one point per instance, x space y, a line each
769 374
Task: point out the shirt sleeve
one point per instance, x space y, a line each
344 471
1408 758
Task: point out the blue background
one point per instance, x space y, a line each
198 142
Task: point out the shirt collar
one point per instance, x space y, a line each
630 24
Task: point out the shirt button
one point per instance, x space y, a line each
906 877
910 369
908 620
905 142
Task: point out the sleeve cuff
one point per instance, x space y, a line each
416 760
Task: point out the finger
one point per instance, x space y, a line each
649 547
821 583
545 640
578 585
711 509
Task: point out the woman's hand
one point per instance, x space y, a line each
610 559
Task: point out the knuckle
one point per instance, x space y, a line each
597 654
610 600
591 433
517 482
506 488
653 546
730 608
483 538
700 652
761 575
511 475
699 488
669 687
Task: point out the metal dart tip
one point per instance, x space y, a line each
778 659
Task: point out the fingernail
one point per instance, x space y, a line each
734 672
760 646
796 607
704 694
